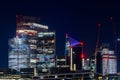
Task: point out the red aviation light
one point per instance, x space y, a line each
82 55
71 46
111 18
99 24
66 35
81 43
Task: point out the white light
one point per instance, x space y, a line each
118 39
88 59
27 31
46 33
56 76
36 25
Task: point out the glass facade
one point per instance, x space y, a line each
31 34
46 51
18 53
40 45
109 62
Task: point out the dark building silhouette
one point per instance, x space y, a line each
77 51
99 63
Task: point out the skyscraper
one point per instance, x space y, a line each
18 53
46 51
27 27
37 39
73 50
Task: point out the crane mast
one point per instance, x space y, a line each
97 45
114 34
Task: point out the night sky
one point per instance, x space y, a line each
78 19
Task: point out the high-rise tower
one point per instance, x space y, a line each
46 51
18 53
37 37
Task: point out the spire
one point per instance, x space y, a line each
73 42
70 43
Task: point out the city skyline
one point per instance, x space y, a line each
77 19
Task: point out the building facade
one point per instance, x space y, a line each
109 62
40 43
18 53
46 51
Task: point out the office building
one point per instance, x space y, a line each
109 62
73 52
39 41
27 27
18 53
61 61
46 51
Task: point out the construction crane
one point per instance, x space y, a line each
114 34
98 40
97 45
98 37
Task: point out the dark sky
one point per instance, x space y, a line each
78 19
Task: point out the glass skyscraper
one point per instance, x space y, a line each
39 42
18 53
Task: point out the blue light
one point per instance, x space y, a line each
73 42
118 39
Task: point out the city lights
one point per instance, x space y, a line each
36 25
